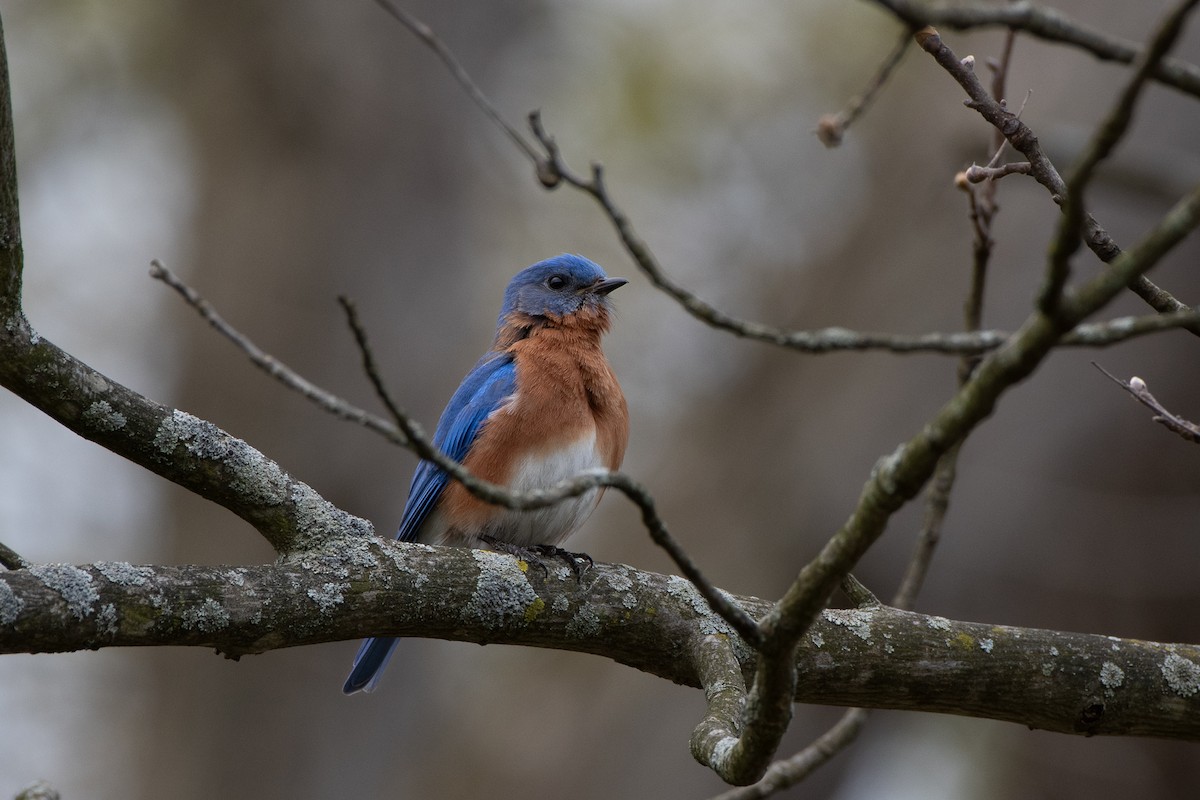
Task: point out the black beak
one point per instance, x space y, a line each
607 285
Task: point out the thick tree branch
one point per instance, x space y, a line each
873 657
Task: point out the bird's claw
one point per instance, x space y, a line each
536 553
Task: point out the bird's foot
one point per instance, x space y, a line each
579 563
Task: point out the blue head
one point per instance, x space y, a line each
558 287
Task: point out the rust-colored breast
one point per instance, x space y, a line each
568 410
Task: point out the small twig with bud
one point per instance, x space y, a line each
978 174
832 127
1172 422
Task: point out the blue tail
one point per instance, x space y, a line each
368 664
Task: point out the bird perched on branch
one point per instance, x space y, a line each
542 405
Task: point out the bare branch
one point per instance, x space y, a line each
1044 23
819 341
1110 131
552 170
265 361
1042 170
1172 422
1000 89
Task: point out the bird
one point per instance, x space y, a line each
540 406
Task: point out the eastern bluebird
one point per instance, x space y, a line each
542 405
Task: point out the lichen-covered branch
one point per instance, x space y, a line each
715 740
877 656
171 443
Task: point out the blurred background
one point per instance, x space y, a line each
278 154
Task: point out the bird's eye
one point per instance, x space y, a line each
556 282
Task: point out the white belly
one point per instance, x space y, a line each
553 524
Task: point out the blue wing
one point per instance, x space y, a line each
485 389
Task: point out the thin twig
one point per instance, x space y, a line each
937 501
426 35
1000 88
264 361
831 128
401 419
1172 422
978 174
